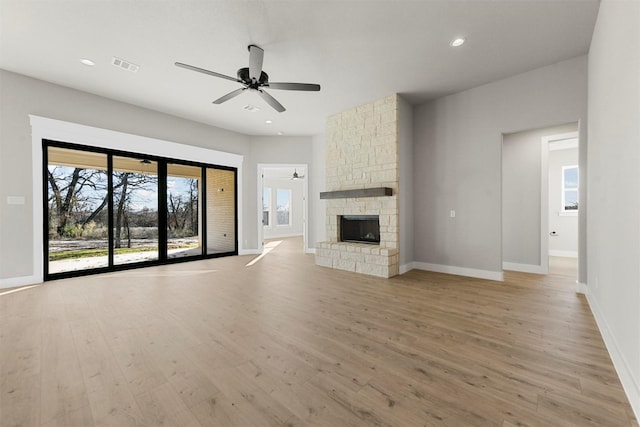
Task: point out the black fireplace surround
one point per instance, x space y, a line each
360 229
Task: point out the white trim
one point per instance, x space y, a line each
45 128
284 235
582 288
13 282
568 213
564 143
404 268
629 383
460 271
249 252
545 146
565 254
523 268
304 167
310 250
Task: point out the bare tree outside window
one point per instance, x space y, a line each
283 207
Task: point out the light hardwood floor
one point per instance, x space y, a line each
284 342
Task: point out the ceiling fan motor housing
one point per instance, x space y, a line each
243 75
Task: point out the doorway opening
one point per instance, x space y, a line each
282 203
563 202
540 200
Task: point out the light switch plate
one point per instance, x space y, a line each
15 200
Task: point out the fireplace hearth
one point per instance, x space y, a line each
360 229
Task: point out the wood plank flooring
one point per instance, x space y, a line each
286 343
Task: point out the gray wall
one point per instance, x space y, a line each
457 158
296 211
521 193
405 128
317 184
565 241
614 186
21 96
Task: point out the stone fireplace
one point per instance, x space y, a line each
362 182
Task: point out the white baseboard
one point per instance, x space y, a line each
13 282
524 268
582 288
249 252
460 271
406 267
629 383
281 236
310 251
565 254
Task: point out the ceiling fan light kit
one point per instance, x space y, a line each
254 79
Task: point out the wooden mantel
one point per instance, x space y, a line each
360 192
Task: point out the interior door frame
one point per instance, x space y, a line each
544 193
303 169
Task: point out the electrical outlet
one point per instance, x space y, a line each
452 213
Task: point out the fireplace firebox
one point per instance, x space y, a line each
360 229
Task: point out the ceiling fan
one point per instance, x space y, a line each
296 175
254 79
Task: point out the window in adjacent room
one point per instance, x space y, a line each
266 207
570 188
283 207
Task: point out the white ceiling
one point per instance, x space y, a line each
357 50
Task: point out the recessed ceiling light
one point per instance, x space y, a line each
280 133
458 41
87 62
268 121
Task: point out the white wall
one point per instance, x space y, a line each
296 209
521 195
457 161
565 240
613 221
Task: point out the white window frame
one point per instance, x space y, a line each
46 128
563 211
268 201
288 190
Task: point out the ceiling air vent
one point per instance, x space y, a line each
125 65
251 108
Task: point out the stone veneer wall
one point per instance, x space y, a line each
363 152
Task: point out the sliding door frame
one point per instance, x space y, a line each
162 163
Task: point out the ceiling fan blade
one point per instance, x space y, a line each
202 70
256 55
229 95
271 101
310 87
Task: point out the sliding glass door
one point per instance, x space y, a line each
108 210
184 235
135 210
77 197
